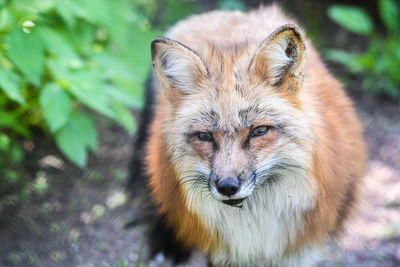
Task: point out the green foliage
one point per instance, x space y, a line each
352 18
63 61
50 66
11 155
29 61
56 105
77 136
380 63
390 15
58 58
232 5
10 83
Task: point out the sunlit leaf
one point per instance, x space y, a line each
347 59
56 106
68 10
87 88
111 67
81 37
56 44
139 62
78 135
352 18
89 137
7 20
124 117
38 5
70 146
109 14
390 14
26 51
124 97
10 84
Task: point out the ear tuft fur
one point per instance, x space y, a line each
176 65
281 57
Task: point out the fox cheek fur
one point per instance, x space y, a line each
254 153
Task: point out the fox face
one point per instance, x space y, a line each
233 120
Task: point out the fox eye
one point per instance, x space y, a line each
260 130
205 137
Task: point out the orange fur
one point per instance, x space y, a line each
168 193
226 43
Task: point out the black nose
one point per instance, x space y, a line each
228 187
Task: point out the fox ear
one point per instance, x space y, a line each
280 58
177 66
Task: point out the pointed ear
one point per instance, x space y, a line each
280 58
177 66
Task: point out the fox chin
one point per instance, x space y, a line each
253 153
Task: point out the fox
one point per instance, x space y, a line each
249 148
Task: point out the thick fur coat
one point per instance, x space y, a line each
244 99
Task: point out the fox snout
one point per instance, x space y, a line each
231 190
228 187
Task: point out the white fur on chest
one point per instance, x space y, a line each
258 233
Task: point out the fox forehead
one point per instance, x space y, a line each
231 111
231 98
228 64
214 119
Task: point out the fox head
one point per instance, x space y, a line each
235 119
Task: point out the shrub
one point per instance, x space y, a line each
63 61
57 57
379 65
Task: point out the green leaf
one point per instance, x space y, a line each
112 68
124 117
56 44
390 15
37 5
126 89
10 83
89 135
27 53
16 153
81 37
352 18
7 20
139 62
86 86
349 60
232 5
126 98
9 120
104 13
67 10
93 97
56 106
71 147
5 142
78 135
180 8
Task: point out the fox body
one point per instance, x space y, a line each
254 153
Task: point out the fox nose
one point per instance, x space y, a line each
228 187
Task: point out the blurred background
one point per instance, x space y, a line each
72 74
